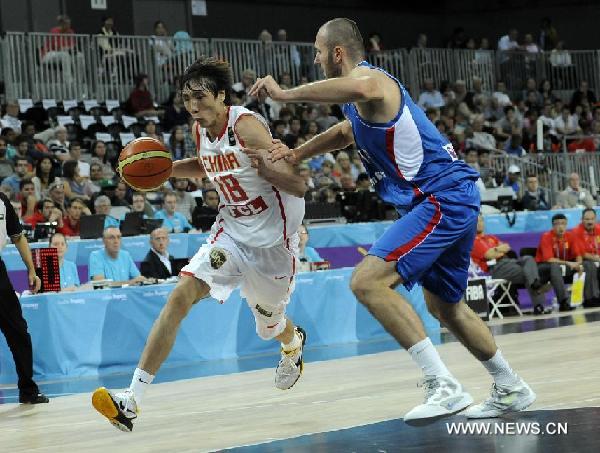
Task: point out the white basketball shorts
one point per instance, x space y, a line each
265 276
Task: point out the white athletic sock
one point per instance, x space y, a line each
294 344
139 383
500 370
427 357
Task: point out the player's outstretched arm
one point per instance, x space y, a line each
255 138
357 87
188 168
336 137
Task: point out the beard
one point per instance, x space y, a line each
330 69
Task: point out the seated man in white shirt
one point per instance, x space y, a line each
430 97
158 263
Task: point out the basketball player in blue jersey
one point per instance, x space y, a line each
413 167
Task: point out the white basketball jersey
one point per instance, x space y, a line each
252 211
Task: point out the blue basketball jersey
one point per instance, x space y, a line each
406 158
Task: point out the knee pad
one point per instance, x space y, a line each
270 322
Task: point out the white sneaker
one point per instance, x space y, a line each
503 400
120 408
290 365
443 396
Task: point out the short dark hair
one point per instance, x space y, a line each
24 182
73 144
20 158
362 177
558 216
531 175
345 33
213 74
588 210
20 139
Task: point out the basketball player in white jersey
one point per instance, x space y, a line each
252 244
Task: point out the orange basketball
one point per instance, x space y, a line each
145 164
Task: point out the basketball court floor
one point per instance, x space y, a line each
350 399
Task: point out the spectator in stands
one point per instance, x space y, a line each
529 45
177 144
76 185
62 50
48 213
548 35
140 204
242 87
103 206
113 263
481 139
531 87
59 145
11 117
96 176
472 158
140 102
120 196
486 172
44 176
583 93
458 40
493 256
501 96
175 114
163 46
13 181
295 130
278 129
69 277
588 235
185 201
558 256
158 263
513 146
56 192
306 254
27 198
325 119
363 183
476 98
546 92
6 165
71 222
574 196
150 131
547 118
22 149
509 42
344 166
534 197
430 97
204 216
566 124
513 179
509 124
173 221
100 156
75 154
421 41
260 106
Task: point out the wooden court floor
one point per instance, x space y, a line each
205 414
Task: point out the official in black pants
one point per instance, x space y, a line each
12 323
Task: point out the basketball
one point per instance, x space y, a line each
145 164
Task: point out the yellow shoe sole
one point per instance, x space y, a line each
103 403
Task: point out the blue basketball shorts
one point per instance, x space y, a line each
432 243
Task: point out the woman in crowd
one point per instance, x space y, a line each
44 176
76 186
100 156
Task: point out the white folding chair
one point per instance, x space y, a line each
505 299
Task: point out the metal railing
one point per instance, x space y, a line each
44 65
552 170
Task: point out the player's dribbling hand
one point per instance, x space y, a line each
270 85
279 150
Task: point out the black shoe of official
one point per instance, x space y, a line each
536 285
538 309
565 306
25 398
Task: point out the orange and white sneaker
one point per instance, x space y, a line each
120 408
290 365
